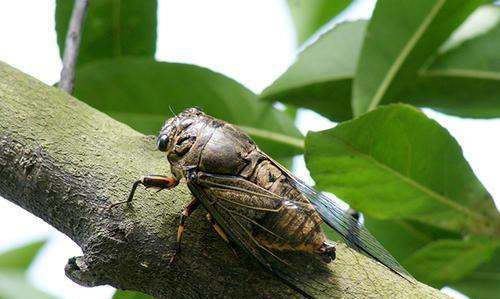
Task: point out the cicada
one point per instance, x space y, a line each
252 201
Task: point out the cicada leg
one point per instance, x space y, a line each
159 182
188 210
221 233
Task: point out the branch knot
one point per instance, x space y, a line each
84 271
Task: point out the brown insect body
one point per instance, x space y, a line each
251 200
202 147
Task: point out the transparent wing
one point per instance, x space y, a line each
236 227
354 233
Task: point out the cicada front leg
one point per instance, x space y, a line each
159 182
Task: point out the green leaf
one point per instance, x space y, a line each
13 285
143 92
482 20
403 237
401 37
462 80
20 258
310 15
120 294
447 261
112 28
321 77
395 163
482 283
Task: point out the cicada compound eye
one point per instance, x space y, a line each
162 143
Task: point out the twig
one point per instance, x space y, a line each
72 45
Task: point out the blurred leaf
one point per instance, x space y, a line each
291 111
13 285
413 244
482 20
309 15
482 283
446 261
20 258
112 28
120 294
321 77
401 37
462 80
395 163
403 237
446 85
142 93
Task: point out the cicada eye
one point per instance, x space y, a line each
162 143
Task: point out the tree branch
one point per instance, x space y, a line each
72 45
64 161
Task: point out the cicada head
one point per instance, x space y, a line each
174 126
179 134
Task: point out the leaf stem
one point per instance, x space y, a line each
285 139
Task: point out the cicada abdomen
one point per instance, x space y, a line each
297 225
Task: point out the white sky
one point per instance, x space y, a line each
250 41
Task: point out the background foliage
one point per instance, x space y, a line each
402 170
13 267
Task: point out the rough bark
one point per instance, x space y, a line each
65 161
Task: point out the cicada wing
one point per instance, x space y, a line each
236 225
350 229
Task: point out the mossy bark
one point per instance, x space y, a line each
66 162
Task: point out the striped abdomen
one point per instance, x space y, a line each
295 226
